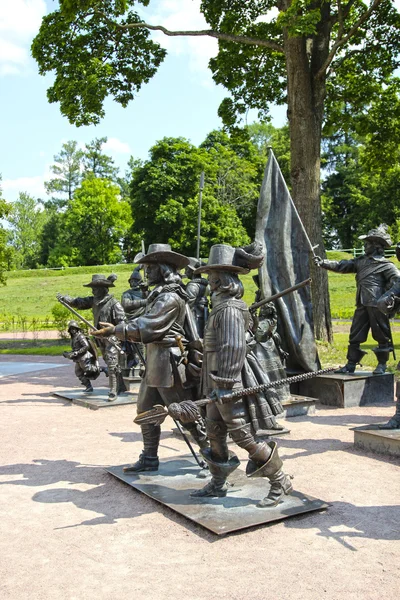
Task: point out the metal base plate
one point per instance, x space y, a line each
176 478
96 399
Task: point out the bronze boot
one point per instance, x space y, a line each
354 357
148 459
272 468
217 487
382 354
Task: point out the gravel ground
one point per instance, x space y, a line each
71 531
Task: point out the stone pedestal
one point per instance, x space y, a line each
132 383
298 406
345 390
381 441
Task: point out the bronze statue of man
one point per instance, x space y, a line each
223 363
196 289
374 275
84 356
105 308
133 302
161 329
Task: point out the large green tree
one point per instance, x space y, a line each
26 220
165 193
93 226
67 170
295 54
362 186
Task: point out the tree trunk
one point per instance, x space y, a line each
306 96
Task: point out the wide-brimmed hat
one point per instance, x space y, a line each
236 260
379 234
136 276
162 253
101 281
194 263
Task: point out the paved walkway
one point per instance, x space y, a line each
30 335
70 531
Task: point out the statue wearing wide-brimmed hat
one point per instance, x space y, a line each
374 275
224 370
161 329
105 308
197 290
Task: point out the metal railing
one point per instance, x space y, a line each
389 252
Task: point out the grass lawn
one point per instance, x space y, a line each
34 347
32 294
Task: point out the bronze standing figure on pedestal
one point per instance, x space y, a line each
105 308
161 329
374 275
222 372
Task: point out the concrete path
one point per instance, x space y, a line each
70 531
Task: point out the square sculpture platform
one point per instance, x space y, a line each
176 478
381 441
346 390
96 399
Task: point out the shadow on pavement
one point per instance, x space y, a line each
344 521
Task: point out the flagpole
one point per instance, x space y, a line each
199 215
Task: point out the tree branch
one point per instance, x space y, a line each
341 40
228 37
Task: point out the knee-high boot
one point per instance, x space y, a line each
221 461
148 459
112 385
266 462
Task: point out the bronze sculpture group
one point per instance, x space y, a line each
201 341
164 330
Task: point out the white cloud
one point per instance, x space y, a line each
183 15
115 145
34 186
19 22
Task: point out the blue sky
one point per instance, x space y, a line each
181 100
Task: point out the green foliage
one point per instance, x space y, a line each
93 226
61 316
35 350
362 188
256 75
265 136
93 57
67 171
4 212
96 163
164 191
26 220
32 293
